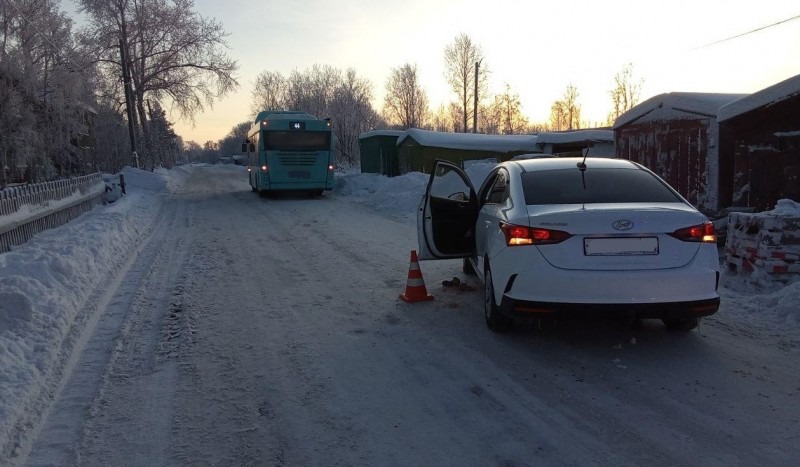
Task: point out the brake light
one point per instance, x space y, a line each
697 233
523 235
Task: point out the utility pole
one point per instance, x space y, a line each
475 100
126 77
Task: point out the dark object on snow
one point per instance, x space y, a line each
453 283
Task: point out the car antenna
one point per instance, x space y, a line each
582 164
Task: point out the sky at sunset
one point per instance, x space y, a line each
537 47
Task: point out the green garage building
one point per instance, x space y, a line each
379 152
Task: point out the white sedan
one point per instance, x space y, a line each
554 237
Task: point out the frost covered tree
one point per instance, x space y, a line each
45 95
406 103
176 56
269 92
232 143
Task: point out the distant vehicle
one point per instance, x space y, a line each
289 151
552 237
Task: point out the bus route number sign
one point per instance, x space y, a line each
297 125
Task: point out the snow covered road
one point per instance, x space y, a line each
250 331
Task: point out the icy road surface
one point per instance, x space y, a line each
250 331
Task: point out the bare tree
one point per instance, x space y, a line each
625 94
565 114
460 59
441 120
558 118
269 92
406 103
504 115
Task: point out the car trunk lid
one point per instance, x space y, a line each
617 237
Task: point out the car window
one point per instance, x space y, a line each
449 184
498 190
573 186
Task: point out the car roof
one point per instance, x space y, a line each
556 163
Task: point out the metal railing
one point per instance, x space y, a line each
30 209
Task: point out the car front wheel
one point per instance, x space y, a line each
495 321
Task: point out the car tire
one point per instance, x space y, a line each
494 320
681 324
467 268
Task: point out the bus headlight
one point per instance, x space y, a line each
263 168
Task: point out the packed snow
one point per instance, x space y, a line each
44 283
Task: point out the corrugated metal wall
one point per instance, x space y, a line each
678 151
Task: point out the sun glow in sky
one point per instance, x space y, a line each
537 47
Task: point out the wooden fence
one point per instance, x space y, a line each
30 209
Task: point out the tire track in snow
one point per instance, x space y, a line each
109 349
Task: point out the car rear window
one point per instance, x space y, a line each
571 186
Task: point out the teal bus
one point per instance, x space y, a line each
289 151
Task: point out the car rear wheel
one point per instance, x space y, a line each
681 324
495 321
467 267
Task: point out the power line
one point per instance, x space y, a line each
748 32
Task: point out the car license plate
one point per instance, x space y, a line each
620 246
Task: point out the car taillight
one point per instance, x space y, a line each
522 235
697 233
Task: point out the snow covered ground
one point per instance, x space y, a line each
46 284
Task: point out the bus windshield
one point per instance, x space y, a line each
297 140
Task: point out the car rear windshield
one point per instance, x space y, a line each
573 186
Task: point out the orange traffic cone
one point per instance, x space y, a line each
415 287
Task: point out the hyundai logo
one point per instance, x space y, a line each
622 224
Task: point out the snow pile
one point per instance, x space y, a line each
45 284
760 301
785 207
396 196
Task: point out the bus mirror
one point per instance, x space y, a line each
244 146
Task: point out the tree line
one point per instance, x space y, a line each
70 104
